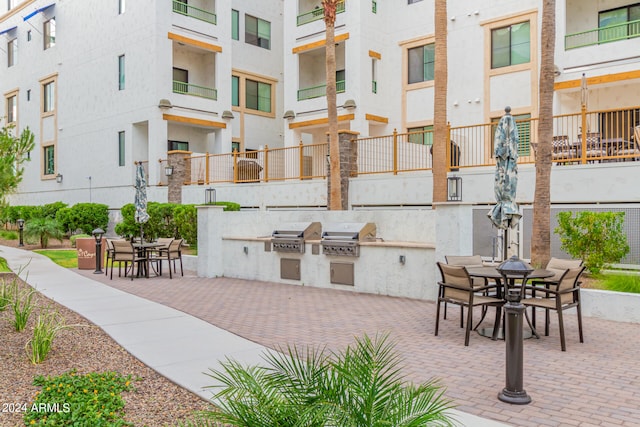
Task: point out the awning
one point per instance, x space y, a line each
35 12
7 30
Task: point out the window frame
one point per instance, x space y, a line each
260 87
12 52
11 105
235 24
121 72
49 33
511 63
254 38
423 139
49 159
428 65
48 106
121 148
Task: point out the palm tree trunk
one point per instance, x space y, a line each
335 181
541 233
440 141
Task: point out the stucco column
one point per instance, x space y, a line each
210 228
181 174
454 229
348 164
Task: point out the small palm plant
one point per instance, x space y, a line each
360 386
43 229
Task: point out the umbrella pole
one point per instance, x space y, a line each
505 244
141 236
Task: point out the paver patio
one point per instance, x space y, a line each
596 383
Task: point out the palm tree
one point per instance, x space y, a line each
440 140
43 229
541 233
360 386
335 182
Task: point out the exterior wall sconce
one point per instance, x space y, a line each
59 178
454 189
168 170
164 104
349 104
289 115
226 114
210 196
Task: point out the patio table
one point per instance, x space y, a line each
486 272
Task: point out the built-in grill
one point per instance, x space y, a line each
343 238
291 237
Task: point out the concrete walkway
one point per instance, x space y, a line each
176 344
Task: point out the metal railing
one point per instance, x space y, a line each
195 90
317 14
611 135
194 12
611 33
318 91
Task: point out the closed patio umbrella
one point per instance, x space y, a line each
506 214
141 215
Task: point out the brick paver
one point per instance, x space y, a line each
596 383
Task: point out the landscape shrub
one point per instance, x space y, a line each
595 237
47 326
73 238
85 217
43 229
22 304
186 218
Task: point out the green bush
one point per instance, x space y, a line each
73 238
186 216
93 399
622 283
595 237
43 229
85 217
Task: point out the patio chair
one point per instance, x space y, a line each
109 252
558 266
595 150
630 149
564 295
562 149
171 253
124 252
457 287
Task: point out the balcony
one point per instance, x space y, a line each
315 14
194 90
182 8
318 91
601 35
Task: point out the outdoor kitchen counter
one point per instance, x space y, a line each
377 243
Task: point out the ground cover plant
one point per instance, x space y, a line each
93 399
621 282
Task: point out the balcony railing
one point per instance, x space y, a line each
611 136
318 91
611 33
317 14
194 12
194 90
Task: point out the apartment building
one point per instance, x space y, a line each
104 84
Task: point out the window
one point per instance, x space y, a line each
413 1
374 6
49 33
257 32
121 72
235 91
11 4
421 62
48 97
615 17
235 24
121 148
374 73
180 75
28 35
423 137
12 52
258 96
28 94
235 146
121 6
510 45
49 159
177 145
12 109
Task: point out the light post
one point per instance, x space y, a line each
21 228
514 391
210 196
97 234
